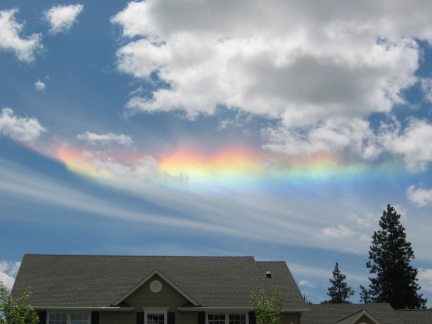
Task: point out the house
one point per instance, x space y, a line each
351 314
83 289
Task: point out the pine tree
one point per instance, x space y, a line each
339 292
394 278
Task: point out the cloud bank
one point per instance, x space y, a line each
320 71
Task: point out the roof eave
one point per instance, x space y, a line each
85 308
210 308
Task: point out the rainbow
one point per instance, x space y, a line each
232 166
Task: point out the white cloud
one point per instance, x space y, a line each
40 86
425 279
367 221
426 85
8 272
412 143
61 18
306 283
19 128
421 197
339 231
284 59
10 39
333 135
105 139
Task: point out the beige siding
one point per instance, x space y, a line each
117 317
186 318
291 318
364 319
167 297
144 297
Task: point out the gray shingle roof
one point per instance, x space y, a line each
332 313
99 281
415 316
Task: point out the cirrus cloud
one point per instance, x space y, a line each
105 139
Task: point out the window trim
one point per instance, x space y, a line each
156 310
68 315
227 314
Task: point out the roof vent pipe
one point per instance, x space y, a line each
268 274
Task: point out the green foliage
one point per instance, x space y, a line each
16 311
339 292
267 308
395 280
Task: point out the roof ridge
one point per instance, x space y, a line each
141 256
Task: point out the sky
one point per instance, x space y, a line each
280 129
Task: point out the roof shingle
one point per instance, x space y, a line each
99 281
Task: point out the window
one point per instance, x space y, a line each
237 319
155 315
79 319
57 318
216 319
155 318
68 318
226 318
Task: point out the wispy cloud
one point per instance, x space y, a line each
306 283
61 18
105 139
11 40
19 128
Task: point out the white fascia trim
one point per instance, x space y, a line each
235 309
215 309
156 272
101 309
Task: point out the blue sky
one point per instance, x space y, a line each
278 129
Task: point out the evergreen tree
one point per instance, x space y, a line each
339 292
395 280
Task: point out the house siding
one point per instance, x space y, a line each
291 318
116 318
143 297
167 297
365 319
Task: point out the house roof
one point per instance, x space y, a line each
340 313
415 316
101 281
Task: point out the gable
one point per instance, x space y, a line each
362 317
351 314
156 290
167 296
